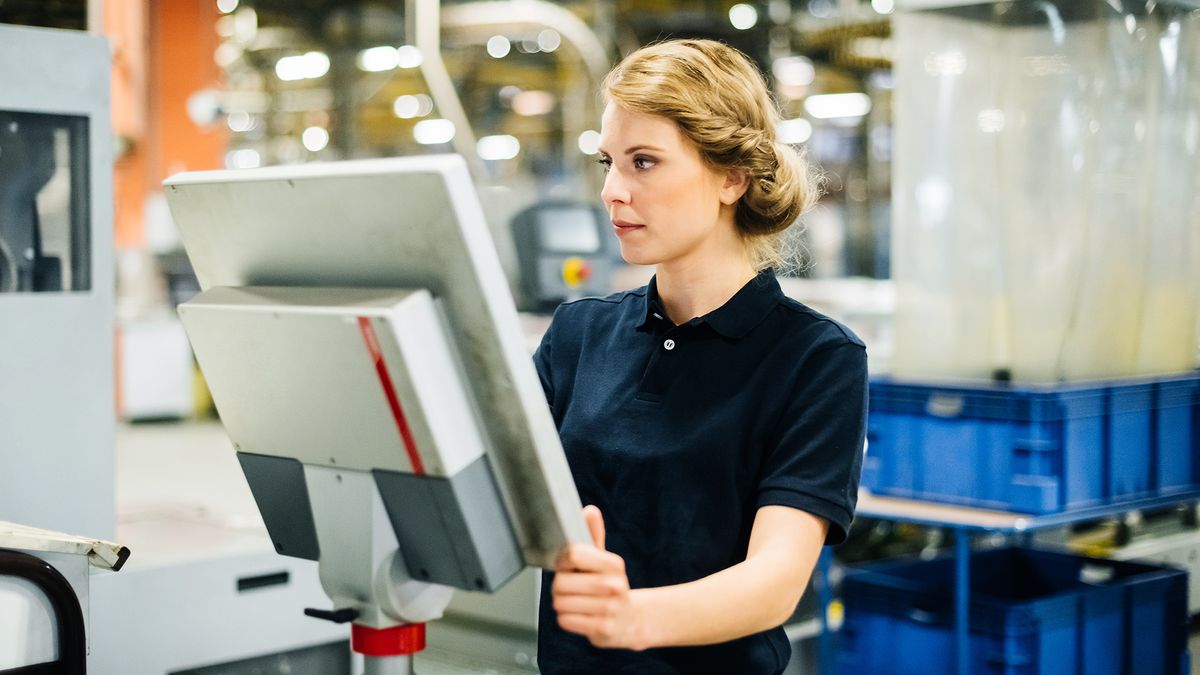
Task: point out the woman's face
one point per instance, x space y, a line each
664 201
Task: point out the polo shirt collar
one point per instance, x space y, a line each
736 317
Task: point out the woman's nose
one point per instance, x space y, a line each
615 190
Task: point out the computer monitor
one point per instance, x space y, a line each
300 266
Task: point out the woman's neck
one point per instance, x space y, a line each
697 284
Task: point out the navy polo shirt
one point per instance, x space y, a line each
680 433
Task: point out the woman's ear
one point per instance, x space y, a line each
736 183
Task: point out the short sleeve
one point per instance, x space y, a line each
541 361
814 459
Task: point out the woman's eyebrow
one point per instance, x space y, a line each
630 151
636 148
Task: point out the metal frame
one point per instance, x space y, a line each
965 521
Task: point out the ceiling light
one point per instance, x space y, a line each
498 46
793 71
829 106
245 25
408 56
239 121
589 142
794 131
243 159
409 106
315 139
498 147
433 132
743 16
549 40
405 107
533 103
305 66
378 59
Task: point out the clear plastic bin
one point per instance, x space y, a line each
1046 190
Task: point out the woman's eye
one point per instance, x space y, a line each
605 162
642 163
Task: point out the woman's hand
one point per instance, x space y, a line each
591 592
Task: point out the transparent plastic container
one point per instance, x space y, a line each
1045 190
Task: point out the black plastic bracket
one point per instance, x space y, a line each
336 615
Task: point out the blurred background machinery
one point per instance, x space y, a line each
1010 197
513 86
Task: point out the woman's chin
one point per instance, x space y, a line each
633 256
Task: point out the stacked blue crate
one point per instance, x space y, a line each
1177 435
1031 613
1034 449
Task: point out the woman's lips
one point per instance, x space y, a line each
622 227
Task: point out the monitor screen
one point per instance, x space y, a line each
568 230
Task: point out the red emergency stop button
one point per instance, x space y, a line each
575 271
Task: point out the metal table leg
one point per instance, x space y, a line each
825 647
388 665
962 601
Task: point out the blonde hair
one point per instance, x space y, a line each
719 100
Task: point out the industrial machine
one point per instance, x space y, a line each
55 272
566 251
56 345
365 356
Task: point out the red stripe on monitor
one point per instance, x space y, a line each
385 379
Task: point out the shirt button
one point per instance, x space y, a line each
669 345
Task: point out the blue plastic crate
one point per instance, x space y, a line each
1031 613
1034 449
1177 435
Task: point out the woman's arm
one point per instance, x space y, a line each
593 598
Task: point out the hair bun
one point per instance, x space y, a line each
781 187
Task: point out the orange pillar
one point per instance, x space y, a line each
183 40
162 56
125 28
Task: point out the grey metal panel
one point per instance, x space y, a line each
472 546
278 486
291 375
473 505
423 533
57 421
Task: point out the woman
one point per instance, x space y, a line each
713 426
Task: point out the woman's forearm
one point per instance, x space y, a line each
592 595
750 597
